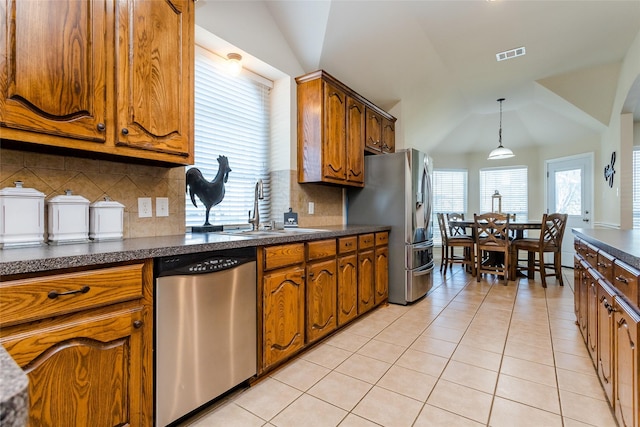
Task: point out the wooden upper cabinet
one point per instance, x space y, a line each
380 132
155 54
334 141
355 141
333 131
99 76
374 131
388 136
53 74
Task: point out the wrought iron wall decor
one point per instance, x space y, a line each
609 171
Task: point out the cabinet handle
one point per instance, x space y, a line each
311 275
125 131
138 324
56 294
621 279
101 127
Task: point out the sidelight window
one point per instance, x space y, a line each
636 187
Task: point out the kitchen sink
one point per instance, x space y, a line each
267 233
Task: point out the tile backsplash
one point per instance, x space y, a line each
125 183
97 179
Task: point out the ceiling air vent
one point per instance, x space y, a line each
508 54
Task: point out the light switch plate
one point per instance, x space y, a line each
144 207
162 206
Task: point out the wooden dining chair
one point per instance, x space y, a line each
492 244
549 241
449 243
454 229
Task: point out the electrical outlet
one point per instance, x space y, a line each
312 207
144 207
162 206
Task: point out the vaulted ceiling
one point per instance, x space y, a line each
433 63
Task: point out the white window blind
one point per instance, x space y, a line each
511 183
232 120
449 195
636 187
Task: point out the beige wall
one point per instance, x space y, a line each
95 179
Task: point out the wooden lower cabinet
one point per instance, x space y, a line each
347 288
366 291
626 372
89 361
283 314
321 299
381 274
592 314
582 294
606 350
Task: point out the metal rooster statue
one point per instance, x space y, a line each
209 193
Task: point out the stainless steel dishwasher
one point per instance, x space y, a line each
205 328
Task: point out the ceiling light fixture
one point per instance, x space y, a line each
500 152
234 63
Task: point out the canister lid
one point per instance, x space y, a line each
106 203
69 198
20 191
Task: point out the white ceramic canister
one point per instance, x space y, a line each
68 220
21 216
106 220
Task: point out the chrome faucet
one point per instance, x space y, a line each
258 195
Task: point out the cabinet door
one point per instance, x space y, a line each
626 365
388 144
347 289
53 71
382 274
355 141
155 75
373 131
366 292
88 369
605 337
592 315
321 299
283 314
334 152
577 276
583 294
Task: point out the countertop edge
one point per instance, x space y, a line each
622 244
47 258
14 397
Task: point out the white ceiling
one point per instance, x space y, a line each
433 64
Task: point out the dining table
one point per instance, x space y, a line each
518 228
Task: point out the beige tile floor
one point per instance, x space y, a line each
469 354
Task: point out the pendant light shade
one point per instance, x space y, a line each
500 152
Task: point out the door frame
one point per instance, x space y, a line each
588 185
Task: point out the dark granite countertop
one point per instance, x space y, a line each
13 392
46 257
622 244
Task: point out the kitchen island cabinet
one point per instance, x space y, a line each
114 78
84 339
610 269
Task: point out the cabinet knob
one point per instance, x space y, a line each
101 127
138 324
125 131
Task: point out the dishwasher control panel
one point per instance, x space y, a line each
202 263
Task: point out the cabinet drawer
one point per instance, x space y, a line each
365 241
32 299
626 279
382 238
591 254
347 244
321 249
604 265
283 255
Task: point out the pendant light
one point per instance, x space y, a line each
500 152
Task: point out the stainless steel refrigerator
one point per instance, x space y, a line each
397 192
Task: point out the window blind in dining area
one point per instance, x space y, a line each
511 183
449 195
636 187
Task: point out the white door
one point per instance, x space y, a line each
570 191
